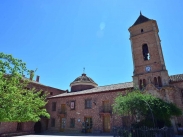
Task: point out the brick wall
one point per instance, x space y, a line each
80 112
81 87
8 127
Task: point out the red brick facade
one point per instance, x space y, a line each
8 127
80 112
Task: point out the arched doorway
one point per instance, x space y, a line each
37 127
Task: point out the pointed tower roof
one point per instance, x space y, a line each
141 19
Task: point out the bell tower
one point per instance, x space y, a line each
148 60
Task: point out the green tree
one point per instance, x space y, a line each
17 102
146 107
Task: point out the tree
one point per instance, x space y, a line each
145 107
17 102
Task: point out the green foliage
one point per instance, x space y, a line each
140 104
18 103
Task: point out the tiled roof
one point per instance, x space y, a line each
38 83
141 19
83 79
176 78
98 89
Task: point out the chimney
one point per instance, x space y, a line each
31 74
37 78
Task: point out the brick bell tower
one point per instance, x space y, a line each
148 60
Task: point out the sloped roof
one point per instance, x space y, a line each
98 89
176 78
38 83
141 19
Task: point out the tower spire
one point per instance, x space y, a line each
140 12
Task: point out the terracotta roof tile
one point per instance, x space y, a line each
176 78
98 89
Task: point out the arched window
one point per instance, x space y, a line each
155 81
145 52
159 81
140 84
144 82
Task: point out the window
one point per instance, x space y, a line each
88 103
142 30
145 52
52 122
53 106
72 123
63 109
159 81
51 93
72 105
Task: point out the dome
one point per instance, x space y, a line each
82 83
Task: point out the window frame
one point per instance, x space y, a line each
145 52
54 106
72 122
86 103
73 105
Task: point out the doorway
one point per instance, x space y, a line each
88 124
37 127
62 124
106 123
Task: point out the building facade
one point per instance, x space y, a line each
89 107
86 110
12 127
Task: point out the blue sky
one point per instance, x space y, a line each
60 37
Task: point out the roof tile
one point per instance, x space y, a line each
98 89
176 78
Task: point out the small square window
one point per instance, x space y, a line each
51 93
88 103
72 105
52 122
72 123
53 106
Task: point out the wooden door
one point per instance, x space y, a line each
106 124
88 124
105 106
62 124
